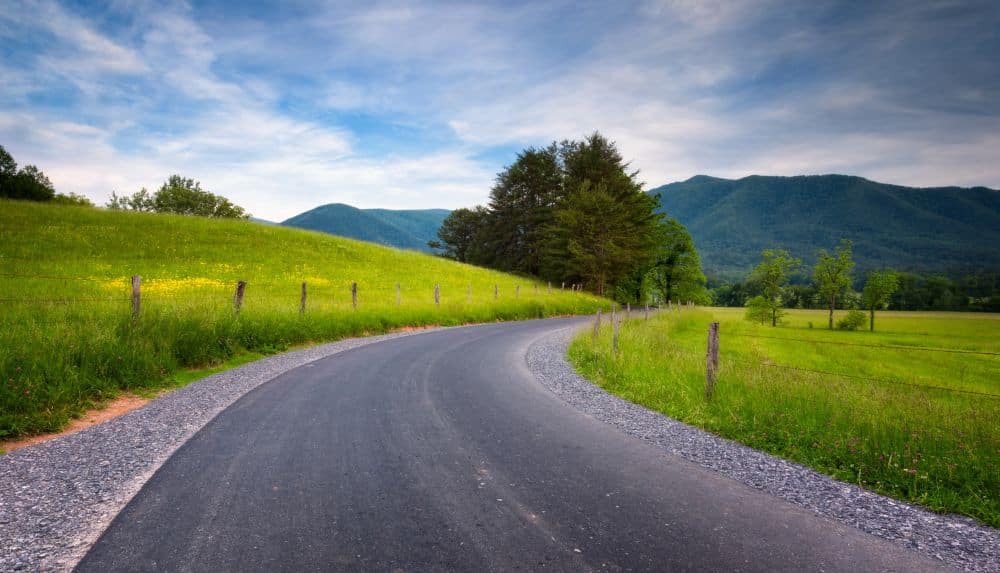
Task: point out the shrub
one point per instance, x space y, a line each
854 320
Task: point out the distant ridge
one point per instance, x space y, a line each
907 228
405 229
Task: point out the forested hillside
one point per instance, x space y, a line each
945 229
402 229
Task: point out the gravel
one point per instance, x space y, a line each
958 541
57 497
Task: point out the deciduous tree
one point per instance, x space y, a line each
832 274
879 288
771 274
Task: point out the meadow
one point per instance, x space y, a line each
68 340
911 410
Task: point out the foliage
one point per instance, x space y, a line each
675 272
66 335
27 183
854 320
72 199
895 432
917 230
571 213
879 288
832 274
460 234
180 196
771 274
762 310
405 229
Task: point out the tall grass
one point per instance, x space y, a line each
881 426
67 338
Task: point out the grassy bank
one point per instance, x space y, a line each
911 411
68 340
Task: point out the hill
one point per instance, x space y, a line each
403 229
914 229
68 337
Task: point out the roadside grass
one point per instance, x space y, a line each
68 341
880 426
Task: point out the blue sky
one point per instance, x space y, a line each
284 106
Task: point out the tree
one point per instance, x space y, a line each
28 183
72 199
460 234
879 288
675 272
182 196
832 274
772 274
521 207
604 227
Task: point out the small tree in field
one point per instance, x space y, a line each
772 274
879 288
833 274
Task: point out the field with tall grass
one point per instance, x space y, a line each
68 339
911 410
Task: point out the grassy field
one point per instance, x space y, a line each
911 410
67 339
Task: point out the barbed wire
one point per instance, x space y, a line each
883 346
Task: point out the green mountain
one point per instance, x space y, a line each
949 229
403 229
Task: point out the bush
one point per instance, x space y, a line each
854 320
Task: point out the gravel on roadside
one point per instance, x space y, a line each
57 497
958 541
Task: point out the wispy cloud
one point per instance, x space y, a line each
417 104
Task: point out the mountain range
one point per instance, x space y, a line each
403 229
949 229
941 229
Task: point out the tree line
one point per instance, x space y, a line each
575 212
769 289
178 195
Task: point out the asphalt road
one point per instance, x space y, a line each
441 452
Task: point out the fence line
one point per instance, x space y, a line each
713 351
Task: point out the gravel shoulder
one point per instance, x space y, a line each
57 497
955 540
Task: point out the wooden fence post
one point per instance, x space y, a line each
647 311
238 297
354 295
302 303
399 296
614 335
437 295
517 291
563 287
550 287
496 291
628 311
536 289
711 359
136 296
597 325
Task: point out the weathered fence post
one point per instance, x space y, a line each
437 295
496 291
628 311
597 325
238 297
614 335
517 291
647 311
550 287
711 359
399 296
136 296
302 303
563 287
536 289
354 295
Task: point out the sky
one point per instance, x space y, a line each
408 105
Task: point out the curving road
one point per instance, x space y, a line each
441 452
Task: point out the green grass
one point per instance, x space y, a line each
67 340
776 392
